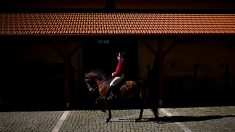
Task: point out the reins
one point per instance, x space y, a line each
99 85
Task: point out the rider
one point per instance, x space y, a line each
118 75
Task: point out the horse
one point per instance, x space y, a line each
98 82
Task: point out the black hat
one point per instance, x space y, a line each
121 53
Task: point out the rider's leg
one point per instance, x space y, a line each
113 93
113 87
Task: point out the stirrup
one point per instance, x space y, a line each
112 97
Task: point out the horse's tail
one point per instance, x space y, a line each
143 89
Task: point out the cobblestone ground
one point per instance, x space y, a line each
198 119
122 121
28 121
207 119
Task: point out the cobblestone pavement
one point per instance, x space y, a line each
207 119
198 119
28 121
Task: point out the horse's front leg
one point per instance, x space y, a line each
101 103
110 115
109 111
98 100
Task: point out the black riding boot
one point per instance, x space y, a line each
113 93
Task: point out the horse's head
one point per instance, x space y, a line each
91 79
90 83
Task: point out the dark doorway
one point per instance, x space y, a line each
101 54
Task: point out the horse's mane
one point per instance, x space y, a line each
96 74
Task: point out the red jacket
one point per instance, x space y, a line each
120 69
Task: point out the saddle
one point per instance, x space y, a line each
128 84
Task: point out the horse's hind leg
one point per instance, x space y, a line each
141 111
140 115
155 112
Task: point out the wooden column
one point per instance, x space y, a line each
160 72
66 74
156 75
66 54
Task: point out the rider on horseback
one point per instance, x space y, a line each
118 76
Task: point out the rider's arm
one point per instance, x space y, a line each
118 69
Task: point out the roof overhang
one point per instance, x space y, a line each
138 24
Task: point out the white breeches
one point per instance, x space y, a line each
116 80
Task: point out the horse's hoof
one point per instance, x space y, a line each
137 120
107 120
157 120
103 110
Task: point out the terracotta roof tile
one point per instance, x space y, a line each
115 23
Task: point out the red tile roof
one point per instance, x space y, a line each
115 23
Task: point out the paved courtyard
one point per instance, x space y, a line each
198 119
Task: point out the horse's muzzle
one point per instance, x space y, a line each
91 89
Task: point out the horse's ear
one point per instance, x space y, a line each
85 75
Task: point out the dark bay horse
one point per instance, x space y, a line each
97 81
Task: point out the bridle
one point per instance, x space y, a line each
96 86
101 83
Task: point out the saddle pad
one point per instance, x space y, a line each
129 84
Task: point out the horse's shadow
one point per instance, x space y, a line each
172 119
